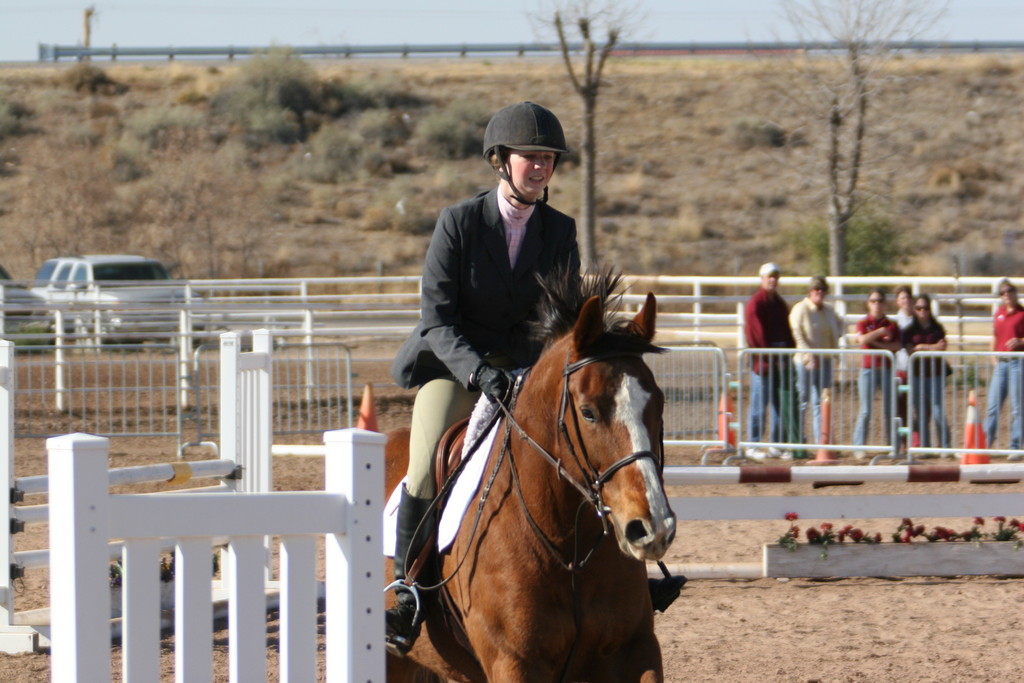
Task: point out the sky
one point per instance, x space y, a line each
263 23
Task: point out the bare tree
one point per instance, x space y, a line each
611 20
841 93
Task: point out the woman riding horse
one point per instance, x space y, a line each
479 289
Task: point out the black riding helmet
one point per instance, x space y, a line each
523 127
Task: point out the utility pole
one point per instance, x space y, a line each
90 12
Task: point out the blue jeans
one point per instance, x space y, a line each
928 396
869 382
809 383
776 387
1006 379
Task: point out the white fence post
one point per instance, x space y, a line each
79 530
246 427
355 605
8 378
230 420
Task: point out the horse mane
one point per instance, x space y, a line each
565 293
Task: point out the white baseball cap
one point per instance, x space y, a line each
769 269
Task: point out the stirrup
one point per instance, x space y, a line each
401 632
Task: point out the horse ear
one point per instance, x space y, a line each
589 325
643 322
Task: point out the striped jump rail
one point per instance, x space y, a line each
844 475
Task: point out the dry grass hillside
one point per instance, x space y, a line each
288 168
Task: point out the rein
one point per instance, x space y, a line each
593 483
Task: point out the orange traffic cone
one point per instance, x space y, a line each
725 431
824 454
367 411
974 435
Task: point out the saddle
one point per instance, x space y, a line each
447 459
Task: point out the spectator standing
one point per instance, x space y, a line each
928 376
1007 335
904 316
815 325
766 323
874 331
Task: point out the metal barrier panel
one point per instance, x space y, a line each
958 403
108 390
693 381
311 389
781 392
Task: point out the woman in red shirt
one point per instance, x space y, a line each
875 331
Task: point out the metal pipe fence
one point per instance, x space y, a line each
105 390
311 390
140 391
700 309
955 397
781 402
693 381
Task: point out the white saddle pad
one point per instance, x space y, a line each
464 489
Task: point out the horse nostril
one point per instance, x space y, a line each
637 532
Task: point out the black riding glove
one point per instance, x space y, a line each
494 382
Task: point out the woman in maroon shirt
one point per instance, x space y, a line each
927 375
875 331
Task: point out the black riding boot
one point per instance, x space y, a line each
402 622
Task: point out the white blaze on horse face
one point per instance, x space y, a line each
630 401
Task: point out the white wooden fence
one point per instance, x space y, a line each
347 514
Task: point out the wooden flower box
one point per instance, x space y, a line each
895 559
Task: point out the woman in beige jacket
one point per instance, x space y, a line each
815 325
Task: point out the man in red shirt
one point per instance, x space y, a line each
766 324
1007 336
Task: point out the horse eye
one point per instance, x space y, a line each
588 414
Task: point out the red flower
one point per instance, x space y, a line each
857 535
979 521
826 526
1015 523
812 534
791 516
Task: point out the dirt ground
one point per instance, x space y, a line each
872 629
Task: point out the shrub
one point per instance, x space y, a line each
456 132
127 159
280 79
271 96
152 125
12 116
749 132
339 97
874 244
387 128
333 153
86 78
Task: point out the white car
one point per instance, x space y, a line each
123 294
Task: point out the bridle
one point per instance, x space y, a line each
591 488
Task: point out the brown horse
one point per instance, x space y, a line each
542 594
